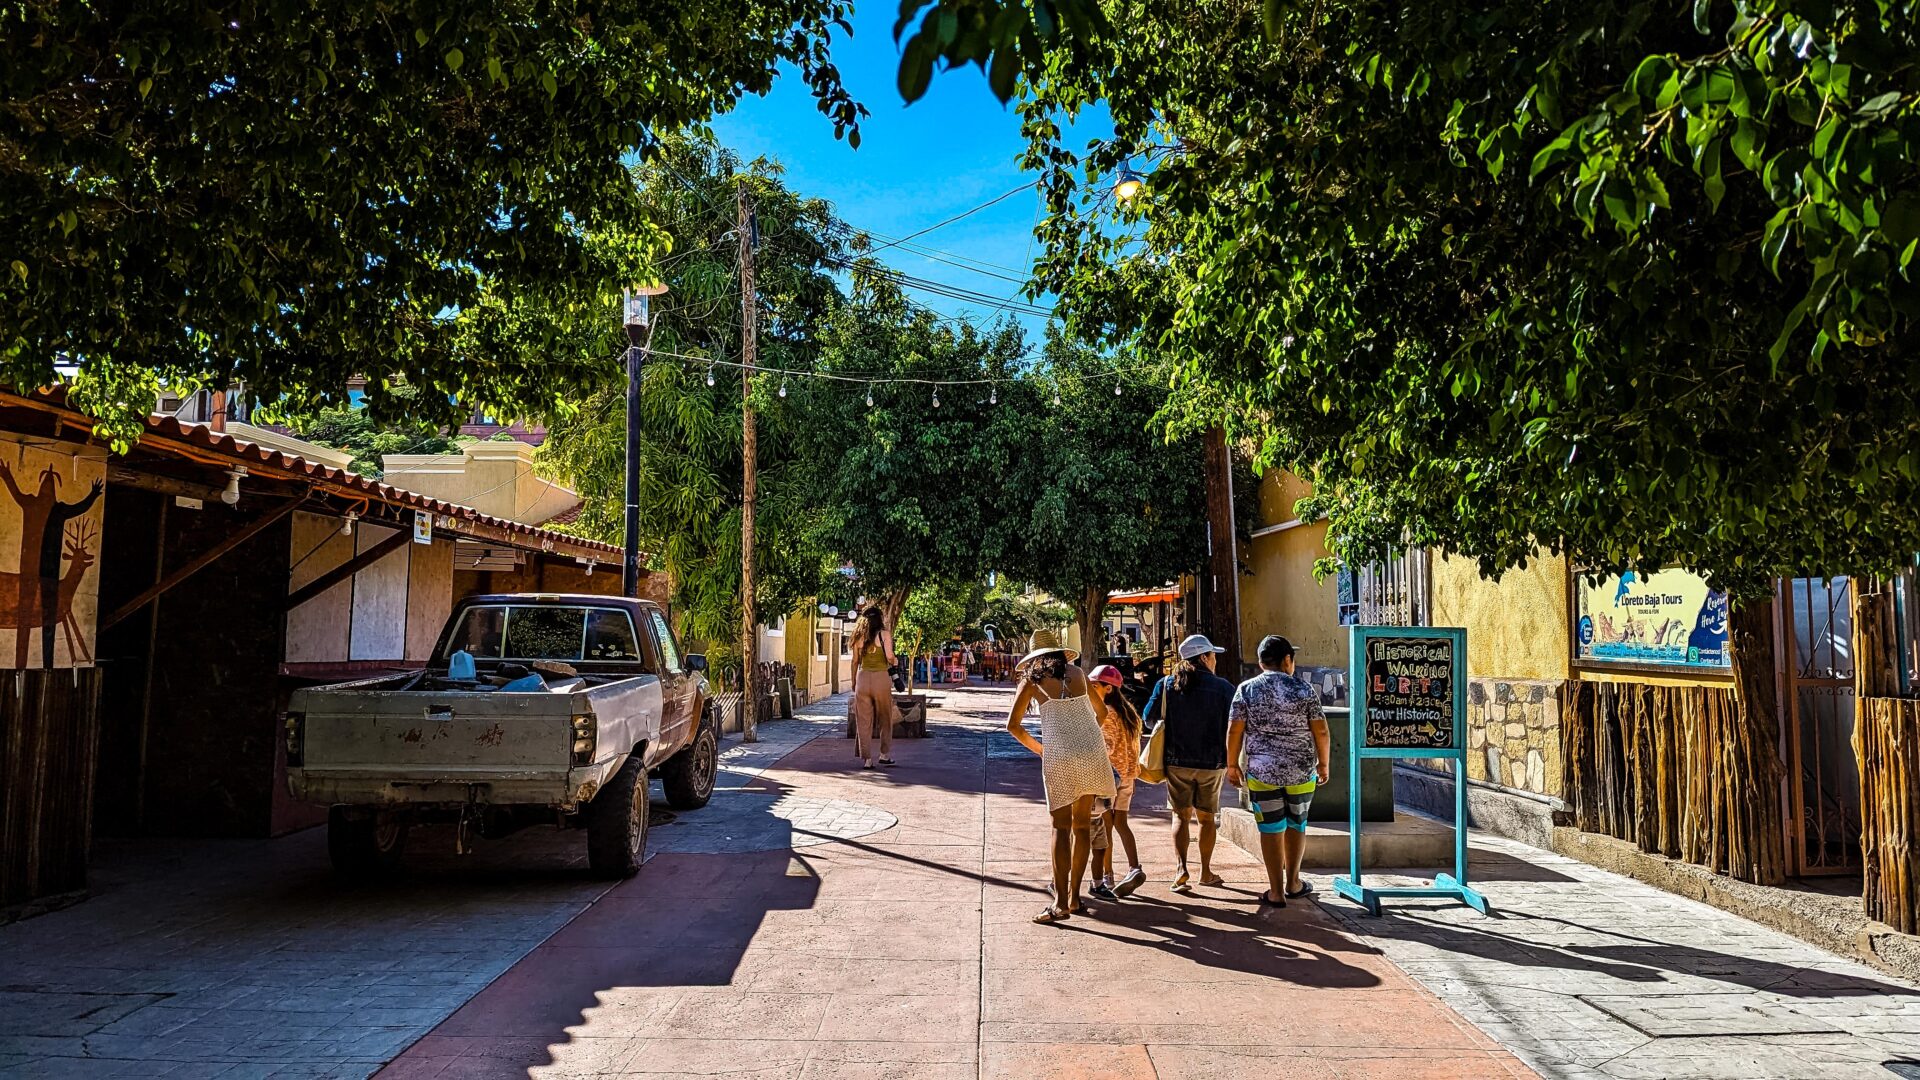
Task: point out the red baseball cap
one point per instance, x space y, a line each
1107 673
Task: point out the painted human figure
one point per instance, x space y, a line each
43 524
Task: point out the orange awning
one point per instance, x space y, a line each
1145 596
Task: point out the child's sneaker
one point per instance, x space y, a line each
1103 891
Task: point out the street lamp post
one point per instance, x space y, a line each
637 318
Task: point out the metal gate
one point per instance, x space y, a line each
1823 779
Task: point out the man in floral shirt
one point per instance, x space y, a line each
1276 719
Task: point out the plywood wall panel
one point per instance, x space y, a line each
318 630
429 596
380 602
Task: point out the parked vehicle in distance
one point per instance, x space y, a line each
567 705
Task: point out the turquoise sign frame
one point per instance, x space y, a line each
1452 885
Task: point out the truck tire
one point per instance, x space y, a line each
688 776
365 845
617 823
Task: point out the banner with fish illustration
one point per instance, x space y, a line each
1669 618
50 516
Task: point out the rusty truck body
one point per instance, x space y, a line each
535 708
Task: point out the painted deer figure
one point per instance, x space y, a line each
20 607
78 536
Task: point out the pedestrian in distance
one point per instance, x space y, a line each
1073 761
872 649
1192 703
1277 721
1120 724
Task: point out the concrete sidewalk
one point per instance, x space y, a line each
1587 974
909 952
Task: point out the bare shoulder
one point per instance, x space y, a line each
1076 680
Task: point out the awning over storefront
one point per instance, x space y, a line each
1163 594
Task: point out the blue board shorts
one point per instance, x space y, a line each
1277 809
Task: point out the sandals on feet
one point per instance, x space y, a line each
1268 901
1052 915
1305 889
1182 882
1213 881
888 762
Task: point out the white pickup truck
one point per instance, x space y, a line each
574 701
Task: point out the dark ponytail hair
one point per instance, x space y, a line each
1051 665
1129 716
1183 673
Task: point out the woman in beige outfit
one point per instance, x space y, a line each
872 649
1073 761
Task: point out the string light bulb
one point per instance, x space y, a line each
709 374
1056 394
936 397
783 386
993 396
869 395
1116 388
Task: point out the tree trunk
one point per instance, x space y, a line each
1754 752
891 605
1088 611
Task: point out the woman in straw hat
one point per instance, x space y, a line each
1073 760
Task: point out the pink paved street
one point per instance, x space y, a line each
908 952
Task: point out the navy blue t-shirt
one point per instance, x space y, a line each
1196 719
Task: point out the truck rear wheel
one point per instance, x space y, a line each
617 822
363 845
688 776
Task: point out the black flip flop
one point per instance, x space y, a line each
1304 890
888 762
1268 901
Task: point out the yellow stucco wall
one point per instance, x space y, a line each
1517 626
1281 596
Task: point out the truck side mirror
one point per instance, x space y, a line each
696 661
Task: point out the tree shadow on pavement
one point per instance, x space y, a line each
1621 955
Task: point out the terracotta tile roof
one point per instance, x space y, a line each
162 430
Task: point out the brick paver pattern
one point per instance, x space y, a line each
909 952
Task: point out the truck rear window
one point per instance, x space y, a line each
545 632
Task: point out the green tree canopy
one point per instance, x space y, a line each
690 465
293 194
1628 280
909 489
349 428
1105 500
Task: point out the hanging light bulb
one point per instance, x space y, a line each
783 386
869 395
1056 394
709 374
1116 388
936 397
346 523
993 396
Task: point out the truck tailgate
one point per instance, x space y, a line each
415 736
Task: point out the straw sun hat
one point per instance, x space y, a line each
1044 642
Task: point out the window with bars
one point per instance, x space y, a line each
1393 592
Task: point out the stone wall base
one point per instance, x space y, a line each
1502 813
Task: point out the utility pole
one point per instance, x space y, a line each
749 351
1223 562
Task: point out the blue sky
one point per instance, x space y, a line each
955 148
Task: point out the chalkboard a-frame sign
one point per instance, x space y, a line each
1409 687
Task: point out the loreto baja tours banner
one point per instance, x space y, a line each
50 516
1664 619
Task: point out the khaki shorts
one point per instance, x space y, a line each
1122 793
1195 789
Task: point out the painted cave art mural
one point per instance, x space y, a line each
49 544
